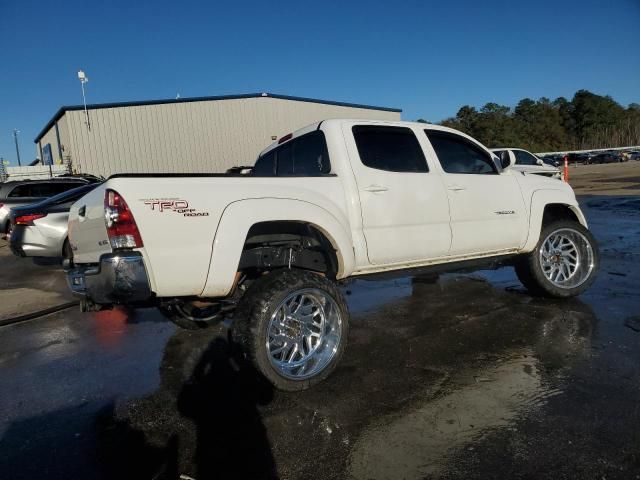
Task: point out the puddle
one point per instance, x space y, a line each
415 444
363 295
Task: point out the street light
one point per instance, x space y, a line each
15 139
84 79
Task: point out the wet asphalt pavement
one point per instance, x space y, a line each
459 376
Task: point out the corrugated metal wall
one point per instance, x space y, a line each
207 136
63 128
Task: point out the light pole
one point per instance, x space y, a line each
84 79
15 139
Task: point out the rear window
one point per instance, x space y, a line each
266 165
303 156
394 149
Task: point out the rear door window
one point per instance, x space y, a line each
393 149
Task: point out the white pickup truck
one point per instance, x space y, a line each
337 199
525 162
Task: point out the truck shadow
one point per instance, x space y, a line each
208 426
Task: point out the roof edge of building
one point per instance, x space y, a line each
96 106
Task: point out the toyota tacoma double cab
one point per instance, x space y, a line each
334 200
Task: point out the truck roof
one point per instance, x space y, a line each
396 123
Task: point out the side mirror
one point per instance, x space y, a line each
505 159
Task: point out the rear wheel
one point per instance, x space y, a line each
564 262
293 325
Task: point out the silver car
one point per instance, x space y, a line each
40 229
16 193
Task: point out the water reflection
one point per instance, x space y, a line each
481 396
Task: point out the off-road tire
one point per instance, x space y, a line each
529 269
253 314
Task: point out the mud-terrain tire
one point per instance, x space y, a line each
293 326
564 262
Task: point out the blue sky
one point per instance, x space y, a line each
426 57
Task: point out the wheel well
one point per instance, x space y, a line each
558 211
278 244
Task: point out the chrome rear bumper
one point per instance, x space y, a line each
118 278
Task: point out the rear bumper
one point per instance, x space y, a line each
27 241
118 278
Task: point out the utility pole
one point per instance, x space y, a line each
15 139
84 79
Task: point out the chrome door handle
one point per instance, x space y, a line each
456 188
375 188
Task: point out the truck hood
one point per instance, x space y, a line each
532 182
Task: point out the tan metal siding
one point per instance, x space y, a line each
207 136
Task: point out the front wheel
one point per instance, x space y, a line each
564 262
293 325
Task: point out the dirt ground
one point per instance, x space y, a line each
608 179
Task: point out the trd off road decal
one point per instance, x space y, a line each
175 205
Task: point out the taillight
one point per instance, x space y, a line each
28 219
121 226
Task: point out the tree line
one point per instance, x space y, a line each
587 121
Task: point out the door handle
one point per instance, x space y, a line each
375 188
456 188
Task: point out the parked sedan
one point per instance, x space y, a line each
40 229
24 192
607 157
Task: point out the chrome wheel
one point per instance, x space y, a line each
304 333
566 257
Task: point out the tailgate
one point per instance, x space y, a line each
87 230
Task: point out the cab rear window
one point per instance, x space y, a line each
306 155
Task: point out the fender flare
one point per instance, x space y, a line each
238 217
539 200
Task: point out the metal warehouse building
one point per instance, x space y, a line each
204 134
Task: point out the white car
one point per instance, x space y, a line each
337 199
526 162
